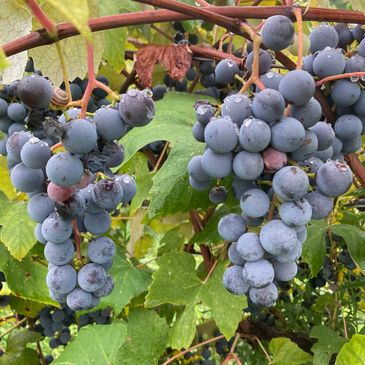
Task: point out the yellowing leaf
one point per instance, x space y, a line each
5 184
76 12
15 22
74 51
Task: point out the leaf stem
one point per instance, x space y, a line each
64 70
42 17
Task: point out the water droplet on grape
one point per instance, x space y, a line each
132 92
354 78
270 74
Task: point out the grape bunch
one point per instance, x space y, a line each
55 323
63 162
276 151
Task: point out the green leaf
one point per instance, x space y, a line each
28 308
20 338
138 166
353 352
129 283
78 16
176 282
329 343
15 22
26 279
183 331
16 351
115 39
146 341
17 232
74 49
94 345
285 352
174 118
314 247
354 238
24 356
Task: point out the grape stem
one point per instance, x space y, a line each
56 146
43 18
264 350
182 353
77 239
92 83
255 77
231 353
341 76
298 16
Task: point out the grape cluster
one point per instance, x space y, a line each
54 323
284 161
73 191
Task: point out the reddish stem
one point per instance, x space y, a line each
77 239
342 76
42 17
56 146
91 79
66 30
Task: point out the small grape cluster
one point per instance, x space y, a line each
73 191
55 323
286 162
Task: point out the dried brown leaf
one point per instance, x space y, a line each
175 59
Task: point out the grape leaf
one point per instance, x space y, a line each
79 15
176 282
15 22
353 352
17 232
314 247
354 238
174 118
74 50
138 167
16 351
147 338
26 279
183 330
94 345
129 283
284 352
329 343
115 39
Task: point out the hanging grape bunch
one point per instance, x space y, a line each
63 162
285 160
